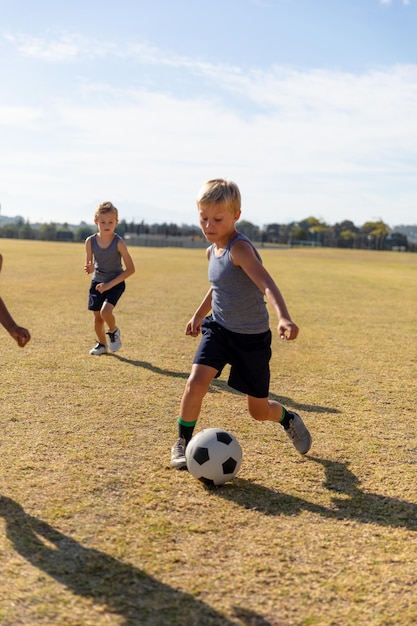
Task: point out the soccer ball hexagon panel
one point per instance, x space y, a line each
213 456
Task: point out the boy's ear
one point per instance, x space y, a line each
238 214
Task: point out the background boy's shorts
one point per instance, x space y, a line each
248 355
97 299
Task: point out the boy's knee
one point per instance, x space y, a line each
106 313
195 385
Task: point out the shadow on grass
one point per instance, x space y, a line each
124 589
221 385
352 503
289 403
152 368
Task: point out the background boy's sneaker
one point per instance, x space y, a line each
115 341
178 459
98 349
298 433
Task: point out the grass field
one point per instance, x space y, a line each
97 530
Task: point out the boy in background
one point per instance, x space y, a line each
105 252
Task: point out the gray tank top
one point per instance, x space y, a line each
237 303
107 261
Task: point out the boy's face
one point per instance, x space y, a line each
106 222
217 222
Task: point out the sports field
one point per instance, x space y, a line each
97 530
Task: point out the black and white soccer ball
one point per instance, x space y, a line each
213 456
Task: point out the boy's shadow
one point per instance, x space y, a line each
352 504
148 366
365 507
221 385
122 588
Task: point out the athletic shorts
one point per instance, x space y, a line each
97 299
248 355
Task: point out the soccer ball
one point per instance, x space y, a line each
213 456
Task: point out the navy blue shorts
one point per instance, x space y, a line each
97 299
248 355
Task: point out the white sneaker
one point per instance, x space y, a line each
98 349
178 459
115 340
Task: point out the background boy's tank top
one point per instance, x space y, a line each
237 303
107 261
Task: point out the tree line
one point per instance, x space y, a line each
311 231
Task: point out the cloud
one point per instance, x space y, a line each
65 48
74 47
333 144
22 116
317 144
389 2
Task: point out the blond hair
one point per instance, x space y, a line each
220 191
106 207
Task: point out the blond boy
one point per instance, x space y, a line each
105 252
237 331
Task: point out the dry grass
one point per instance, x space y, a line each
97 530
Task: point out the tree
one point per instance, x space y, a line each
82 232
249 229
26 232
396 241
344 234
315 229
346 239
10 231
375 233
272 232
297 233
122 228
47 232
64 234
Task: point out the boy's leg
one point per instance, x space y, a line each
100 347
108 316
99 327
113 333
263 409
195 389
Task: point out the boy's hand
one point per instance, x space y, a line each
287 329
193 327
101 287
21 335
89 268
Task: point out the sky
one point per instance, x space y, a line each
310 106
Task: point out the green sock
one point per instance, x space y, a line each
185 429
285 419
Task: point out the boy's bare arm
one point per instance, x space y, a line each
287 329
20 334
194 325
89 266
244 256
